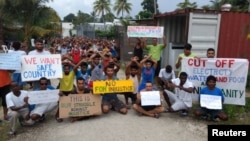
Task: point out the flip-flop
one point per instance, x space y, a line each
59 119
156 116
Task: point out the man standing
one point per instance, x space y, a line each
16 76
155 51
4 90
17 108
182 99
39 50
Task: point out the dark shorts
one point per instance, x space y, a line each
3 92
130 95
212 113
115 104
66 93
148 108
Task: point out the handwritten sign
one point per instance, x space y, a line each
76 105
210 101
36 66
150 98
145 31
9 61
43 96
113 86
231 74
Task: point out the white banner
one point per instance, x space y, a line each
43 96
150 98
10 61
211 101
231 74
145 31
36 66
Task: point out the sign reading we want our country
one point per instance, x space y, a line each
36 66
145 31
231 76
113 86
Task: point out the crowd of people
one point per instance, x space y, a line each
87 60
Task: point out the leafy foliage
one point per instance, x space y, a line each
144 15
148 5
122 6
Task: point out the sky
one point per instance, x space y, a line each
65 7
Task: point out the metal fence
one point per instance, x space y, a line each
85 30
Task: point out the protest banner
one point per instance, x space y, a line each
10 61
43 96
145 31
150 98
231 74
36 66
211 101
75 105
113 86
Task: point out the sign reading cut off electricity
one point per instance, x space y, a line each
113 86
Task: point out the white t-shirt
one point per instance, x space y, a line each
183 95
13 100
19 52
166 76
35 52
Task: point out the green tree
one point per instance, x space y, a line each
144 15
149 5
82 18
93 16
29 17
102 7
122 6
109 17
186 4
69 18
237 5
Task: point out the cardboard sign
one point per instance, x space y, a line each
10 61
150 98
211 101
231 75
75 105
145 31
113 86
36 66
43 96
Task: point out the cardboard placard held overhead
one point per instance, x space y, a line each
76 105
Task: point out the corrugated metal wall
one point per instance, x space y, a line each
234 39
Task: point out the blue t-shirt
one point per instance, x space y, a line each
85 76
32 106
216 91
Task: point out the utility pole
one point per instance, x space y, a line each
248 5
154 6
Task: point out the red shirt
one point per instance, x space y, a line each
76 55
5 78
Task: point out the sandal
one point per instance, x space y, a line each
59 119
156 116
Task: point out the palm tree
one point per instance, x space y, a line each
122 6
30 17
186 4
102 7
